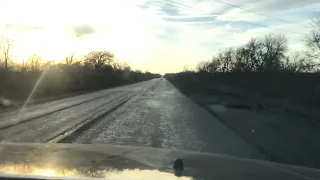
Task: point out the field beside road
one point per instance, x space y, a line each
284 129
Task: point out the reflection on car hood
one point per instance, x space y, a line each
128 162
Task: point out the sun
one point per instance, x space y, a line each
48 173
21 53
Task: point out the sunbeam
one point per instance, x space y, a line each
32 92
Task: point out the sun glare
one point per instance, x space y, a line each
48 173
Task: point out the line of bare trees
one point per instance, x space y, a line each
261 71
268 54
96 70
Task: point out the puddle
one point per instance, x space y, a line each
220 108
239 106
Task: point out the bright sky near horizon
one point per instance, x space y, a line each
155 35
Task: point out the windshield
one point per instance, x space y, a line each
237 78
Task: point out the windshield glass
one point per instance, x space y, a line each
237 78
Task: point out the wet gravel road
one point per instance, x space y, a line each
151 113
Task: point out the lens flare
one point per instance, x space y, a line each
48 173
32 92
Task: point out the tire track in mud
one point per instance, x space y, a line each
26 120
44 128
72 133
58 124
141 122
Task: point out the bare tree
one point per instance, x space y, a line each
69 59
253 54
209 66
97 59
225 60
241 63
298 63
313 39
35 63
274 48
6 46
249 57
203 66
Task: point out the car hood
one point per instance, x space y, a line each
130 162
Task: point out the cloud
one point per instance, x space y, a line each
150 36
281 6
199 19
84 29
256 11
24 27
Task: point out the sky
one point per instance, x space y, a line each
161 36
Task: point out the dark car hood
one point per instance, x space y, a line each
128 162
